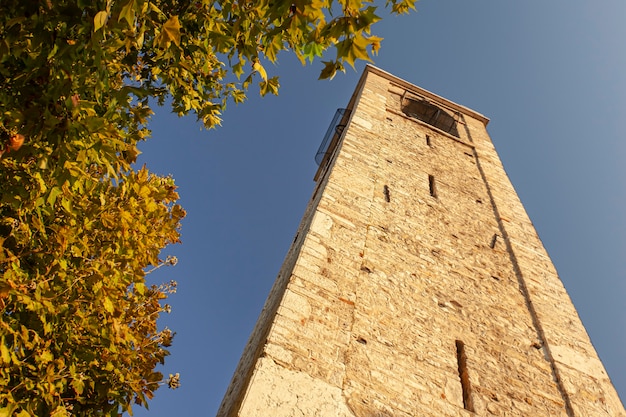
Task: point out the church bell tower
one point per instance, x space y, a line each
416 285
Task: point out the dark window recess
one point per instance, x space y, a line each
461 359
428 140
429 113
431 186
494 240
386 192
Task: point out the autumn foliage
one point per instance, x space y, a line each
80 226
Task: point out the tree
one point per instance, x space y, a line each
79 225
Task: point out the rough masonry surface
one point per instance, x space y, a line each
417 285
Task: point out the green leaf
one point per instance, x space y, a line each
352 49
246 83
313 50
66 204
402 6
269 86
53 52
369 17
330 70
52 196
99 20
272 46
78 385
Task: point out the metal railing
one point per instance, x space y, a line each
335 128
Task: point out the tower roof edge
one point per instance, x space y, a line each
412 87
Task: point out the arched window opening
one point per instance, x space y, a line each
427 112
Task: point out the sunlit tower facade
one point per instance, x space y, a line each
416 284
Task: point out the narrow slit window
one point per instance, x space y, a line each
464 376
431 186
428 140
494 240
386 192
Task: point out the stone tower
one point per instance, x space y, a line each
416 284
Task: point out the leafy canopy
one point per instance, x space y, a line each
79 225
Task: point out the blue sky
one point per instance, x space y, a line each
551 76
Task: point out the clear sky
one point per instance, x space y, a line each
551 76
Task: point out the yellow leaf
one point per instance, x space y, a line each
259 68
140 287
375 42
151 206
46 356
170 32
60 411
128 13
108 305
5 355
78 385
144 191
99 20
8 410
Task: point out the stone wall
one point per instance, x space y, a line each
417 286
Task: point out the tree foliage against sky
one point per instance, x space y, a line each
79 225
